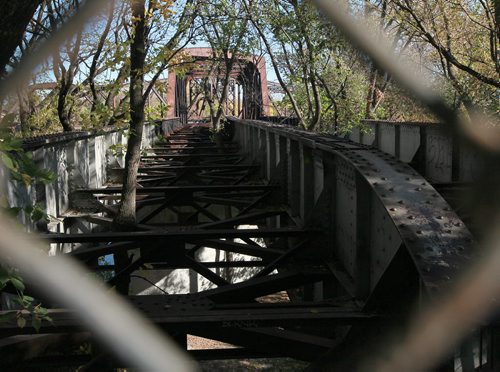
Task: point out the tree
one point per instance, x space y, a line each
14 19
141 41
141 31
316 68
126 215
462 45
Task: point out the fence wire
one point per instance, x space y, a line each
436 331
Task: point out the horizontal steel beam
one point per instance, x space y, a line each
189 156
179 235
169 266
192 167
65 321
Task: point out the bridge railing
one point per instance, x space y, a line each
429 147
80 160
374 213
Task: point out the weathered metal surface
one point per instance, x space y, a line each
405 206
247 94
179 234
173 319
437 155
332 218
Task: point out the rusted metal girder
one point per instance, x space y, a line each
345 230
216 183
387 202
392 241
247 89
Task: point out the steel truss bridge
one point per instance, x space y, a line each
324 245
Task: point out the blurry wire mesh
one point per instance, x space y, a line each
437 330
434 333
139 342
46 48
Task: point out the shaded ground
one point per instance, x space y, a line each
276 364
260 364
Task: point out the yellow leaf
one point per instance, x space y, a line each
26 179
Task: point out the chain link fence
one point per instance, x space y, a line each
436 331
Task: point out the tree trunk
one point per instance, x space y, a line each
274 62
126 218
24 111
126 215
97 55
371 93
62 111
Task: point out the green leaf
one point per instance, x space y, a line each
7 161
37 215
4 275
26 178
28 299
18 284
3 282
21 322
36 322
42 310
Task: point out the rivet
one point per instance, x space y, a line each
458 224
418 189
419 232
392 209
384 179
411 217
439 217
448 231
